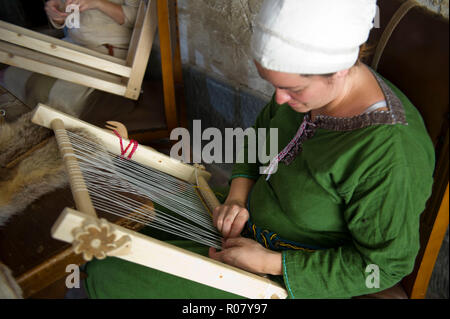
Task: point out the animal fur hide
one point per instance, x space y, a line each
35 175
18 137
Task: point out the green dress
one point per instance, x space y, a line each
353 193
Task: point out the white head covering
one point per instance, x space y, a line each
311 36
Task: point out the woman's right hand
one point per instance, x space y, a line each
230 218
52 8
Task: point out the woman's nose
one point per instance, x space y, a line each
281 96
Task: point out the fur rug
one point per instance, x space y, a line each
35 175
18 137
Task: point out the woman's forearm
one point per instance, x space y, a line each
112 10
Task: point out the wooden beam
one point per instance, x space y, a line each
44 115
432 249
42 63
167 65
178 68
175 34
48 272
137 30
140 48
432 224
62 49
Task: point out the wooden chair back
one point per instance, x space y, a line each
413 53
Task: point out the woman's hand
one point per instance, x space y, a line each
249 255
230 218
53 9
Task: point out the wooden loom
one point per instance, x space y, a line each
82 227
47 55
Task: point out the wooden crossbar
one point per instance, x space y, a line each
62 49
62 69
179 262
44 115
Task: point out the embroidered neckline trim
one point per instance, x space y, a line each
394 115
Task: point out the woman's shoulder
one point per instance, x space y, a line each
380 141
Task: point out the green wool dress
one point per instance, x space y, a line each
352 193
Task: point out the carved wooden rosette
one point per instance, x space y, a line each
97 239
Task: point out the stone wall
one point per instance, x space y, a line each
215 38
439 6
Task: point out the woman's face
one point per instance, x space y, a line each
301 93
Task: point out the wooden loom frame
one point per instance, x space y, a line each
44 54
136 247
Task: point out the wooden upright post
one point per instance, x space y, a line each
167 66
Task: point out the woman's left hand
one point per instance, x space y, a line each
249 255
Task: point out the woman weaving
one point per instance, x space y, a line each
353 174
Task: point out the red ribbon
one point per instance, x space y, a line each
124 151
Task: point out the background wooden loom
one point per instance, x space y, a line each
48 55
40 53
136 247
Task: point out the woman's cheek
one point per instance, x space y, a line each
301 97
